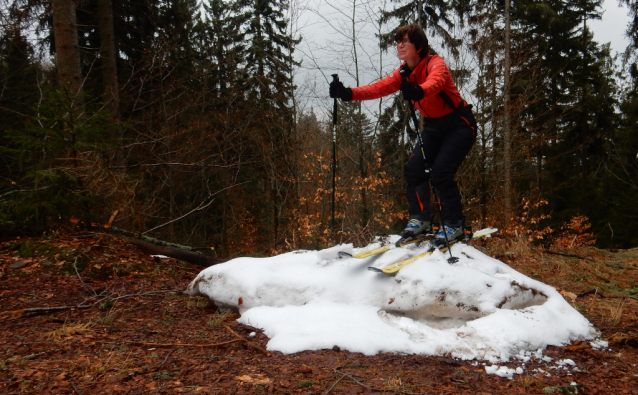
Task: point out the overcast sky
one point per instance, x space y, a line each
612 27
326 49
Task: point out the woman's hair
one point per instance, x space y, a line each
417 37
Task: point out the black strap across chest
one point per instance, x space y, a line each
446 98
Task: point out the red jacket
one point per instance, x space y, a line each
433 78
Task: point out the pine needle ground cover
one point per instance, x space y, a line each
88 313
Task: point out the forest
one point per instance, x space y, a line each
196 122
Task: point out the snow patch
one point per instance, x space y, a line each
564 362
477 308
502 371
598 344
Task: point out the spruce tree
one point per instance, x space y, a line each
221 46
622 167
19 78
435 16
269 88
621 186
569 118
269 55
485 162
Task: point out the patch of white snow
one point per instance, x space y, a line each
477 308
598 344
502 371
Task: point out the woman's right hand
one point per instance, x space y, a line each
338 90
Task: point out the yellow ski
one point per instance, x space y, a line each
369 253
395 267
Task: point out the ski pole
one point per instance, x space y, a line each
335 78
451 259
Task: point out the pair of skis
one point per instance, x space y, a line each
376 251
395 267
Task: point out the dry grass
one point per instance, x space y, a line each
393 383
198 302
219 317
515 246
579 269
68 330
521 246
527 381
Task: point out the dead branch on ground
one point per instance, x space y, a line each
53 309
248 343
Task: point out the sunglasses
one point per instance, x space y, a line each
405 41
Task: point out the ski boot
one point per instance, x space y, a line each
417 228
450 234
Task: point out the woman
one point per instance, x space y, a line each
448 133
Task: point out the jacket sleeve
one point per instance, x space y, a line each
438 74
384 87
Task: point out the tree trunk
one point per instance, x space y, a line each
67 47
584 129
108 57
507 133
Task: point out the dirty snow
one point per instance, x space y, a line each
478 308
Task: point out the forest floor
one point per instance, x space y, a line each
136 332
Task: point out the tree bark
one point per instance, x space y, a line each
507 133
67 46
108 57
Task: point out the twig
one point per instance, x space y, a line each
569 255
399 391
596 292
80 277
333 385
249 343
75 389
169 354
27 357
198 208
358 382
616 266
623 297
174 344
148 239
591 291
147 293
171 164
621 327
61 308
46 309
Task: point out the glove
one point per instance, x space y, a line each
338 90
411 91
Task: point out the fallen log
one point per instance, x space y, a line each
155 246
193 257
149 239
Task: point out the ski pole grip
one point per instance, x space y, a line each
335 78
403 75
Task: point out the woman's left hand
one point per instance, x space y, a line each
411 91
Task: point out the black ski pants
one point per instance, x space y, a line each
446 144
